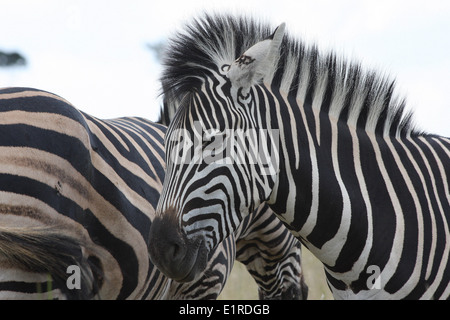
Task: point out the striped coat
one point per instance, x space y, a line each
79 191
76 190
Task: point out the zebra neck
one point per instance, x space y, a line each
328 169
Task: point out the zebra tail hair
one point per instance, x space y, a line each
49 250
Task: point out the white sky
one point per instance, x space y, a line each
93 53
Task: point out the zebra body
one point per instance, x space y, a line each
366 192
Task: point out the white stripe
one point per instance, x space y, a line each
29 94
427 195
415 275
47 121
397 244
360 265
312 216
330 250
287 216
294 133
444 260
318 98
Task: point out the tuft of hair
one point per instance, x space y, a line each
322 80
206 44
167 112
45 250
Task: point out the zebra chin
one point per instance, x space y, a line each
170 250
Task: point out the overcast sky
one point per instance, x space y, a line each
94 53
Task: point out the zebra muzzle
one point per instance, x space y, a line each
175 255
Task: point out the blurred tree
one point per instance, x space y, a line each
12 59
158 49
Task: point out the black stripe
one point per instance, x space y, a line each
357 232
409 213
383 214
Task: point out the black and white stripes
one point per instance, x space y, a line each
264 245
366 192
78 190
79 193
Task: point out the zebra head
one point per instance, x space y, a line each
221 155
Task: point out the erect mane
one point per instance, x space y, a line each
323 81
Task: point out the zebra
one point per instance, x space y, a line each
271 254
81 192
337 158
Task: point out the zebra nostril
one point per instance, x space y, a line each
174 252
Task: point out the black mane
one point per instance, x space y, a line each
211 41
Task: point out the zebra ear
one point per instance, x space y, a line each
254 64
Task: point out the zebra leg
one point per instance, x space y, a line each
272 256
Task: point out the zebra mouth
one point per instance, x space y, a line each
175 255
199 257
